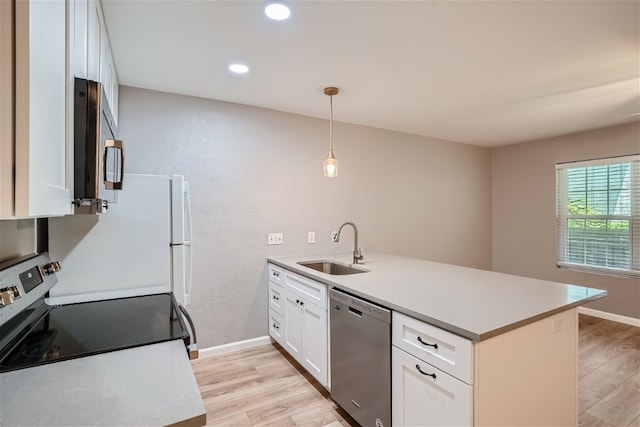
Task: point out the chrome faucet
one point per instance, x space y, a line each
357 252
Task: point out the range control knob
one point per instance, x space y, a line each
8 295
52 267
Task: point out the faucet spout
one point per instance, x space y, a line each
357 252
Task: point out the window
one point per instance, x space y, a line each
598 216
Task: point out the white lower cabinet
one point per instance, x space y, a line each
423 395
314 341
306 334
293 325
298 320
431 375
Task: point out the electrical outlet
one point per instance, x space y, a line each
311 237
275 239
333 236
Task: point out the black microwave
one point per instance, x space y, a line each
98 153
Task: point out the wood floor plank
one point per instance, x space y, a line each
606 343
611 374
599 334
591 421
621 406
264 386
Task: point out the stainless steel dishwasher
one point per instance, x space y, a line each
361 358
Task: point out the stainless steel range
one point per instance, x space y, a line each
34 333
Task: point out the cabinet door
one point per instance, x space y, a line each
419 399
94 39
43 169
78 43
115 93
314 341
293 324
6 109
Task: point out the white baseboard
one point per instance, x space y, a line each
234 346
610 316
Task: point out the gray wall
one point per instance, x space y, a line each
17 237
254 171
524 219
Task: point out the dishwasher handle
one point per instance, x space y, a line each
355 312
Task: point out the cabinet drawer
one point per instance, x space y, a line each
276 298
435 346
312 291
423 395
276 274
276 327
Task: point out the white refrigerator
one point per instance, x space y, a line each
139 246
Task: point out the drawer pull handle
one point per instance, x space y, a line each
276 274
424 373
276 298
276 326
434 345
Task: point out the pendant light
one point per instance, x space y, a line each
330 166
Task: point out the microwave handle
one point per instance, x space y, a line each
115 145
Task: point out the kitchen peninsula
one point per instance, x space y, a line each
509 343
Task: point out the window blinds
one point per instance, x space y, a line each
598 216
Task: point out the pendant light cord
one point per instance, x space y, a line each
331 123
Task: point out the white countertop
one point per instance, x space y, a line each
151 385
472 303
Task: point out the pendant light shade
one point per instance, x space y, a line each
330 165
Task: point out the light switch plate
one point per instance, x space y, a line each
311 237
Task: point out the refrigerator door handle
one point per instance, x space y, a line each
187 242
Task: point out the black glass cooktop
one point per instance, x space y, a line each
83 329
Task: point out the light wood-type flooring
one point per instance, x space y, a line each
609 373
264 386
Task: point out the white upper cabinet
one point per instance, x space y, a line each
44 46
6 109
43 165
79 43
95 29
101 66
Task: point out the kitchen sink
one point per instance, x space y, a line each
332 267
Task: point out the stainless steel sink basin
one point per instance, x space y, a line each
332 267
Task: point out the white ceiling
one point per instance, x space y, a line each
485 73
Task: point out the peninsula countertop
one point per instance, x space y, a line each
475 304
148 385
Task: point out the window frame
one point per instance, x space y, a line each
562 217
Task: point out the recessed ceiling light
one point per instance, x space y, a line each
277 11
238 68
